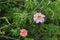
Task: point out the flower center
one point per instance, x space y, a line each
23 33
38 17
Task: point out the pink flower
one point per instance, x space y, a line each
39 18
23 32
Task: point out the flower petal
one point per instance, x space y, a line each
42 20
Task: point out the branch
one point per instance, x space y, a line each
8 37
6 20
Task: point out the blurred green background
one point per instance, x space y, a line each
18 14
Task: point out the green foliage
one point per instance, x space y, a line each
18 14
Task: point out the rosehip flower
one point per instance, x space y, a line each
23 32
39 18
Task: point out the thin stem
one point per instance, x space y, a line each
52 12
6 20
8 37
9 1
38 5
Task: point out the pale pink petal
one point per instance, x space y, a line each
42 20
37 21
42 15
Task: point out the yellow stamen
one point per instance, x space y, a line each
39 17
